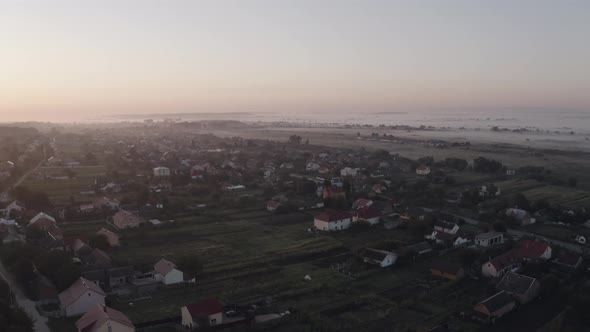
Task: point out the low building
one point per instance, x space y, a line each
447 269
124 219
446 227
489 239
419 249
382 258
81 297
104 319
161 171
112 238
520 216
494 307
332 220
422 170
535 250
202 314
168 273
496 267
521 287
42 222
367 214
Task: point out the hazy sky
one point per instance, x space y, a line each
90 57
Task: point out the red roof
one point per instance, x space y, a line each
506 259
368 212
333 216
205 308
532 249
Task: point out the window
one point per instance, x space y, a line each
214 321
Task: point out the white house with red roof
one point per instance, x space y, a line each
201 314
510 261
422 170
367 214
104 319
331 220
81 297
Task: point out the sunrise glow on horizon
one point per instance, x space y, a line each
113 57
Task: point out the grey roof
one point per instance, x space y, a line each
515 283
420 247
497 301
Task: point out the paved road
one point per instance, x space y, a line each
27 305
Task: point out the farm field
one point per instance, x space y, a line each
61 191
534 190
257 255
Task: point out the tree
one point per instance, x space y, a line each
500 227
522 202
190 265
295 139
99 241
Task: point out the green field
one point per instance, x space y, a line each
61 191
555 195
254 255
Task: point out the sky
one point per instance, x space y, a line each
63 59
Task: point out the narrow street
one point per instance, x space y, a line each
40 322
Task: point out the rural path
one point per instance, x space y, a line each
24 176
40 322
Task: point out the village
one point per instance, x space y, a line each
163 226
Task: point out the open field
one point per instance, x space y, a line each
558 195
61 190
248 257
562 157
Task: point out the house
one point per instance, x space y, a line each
489 239
534 250
522 217
80 297
489 190
494 307
361 203
521 287
422 170
104 319
124 219
446 227
498 266
272 205
460 238
79 248
106 203
312 167
112 238
367 214
378 188
349 171
510 171
202 314
161 171
14 207
42 222
332 220
447 269
97 258
378 257
167 272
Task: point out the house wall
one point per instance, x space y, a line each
84 303
332 226
488 270
115 327
188 321
173 277
388 261
489 242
